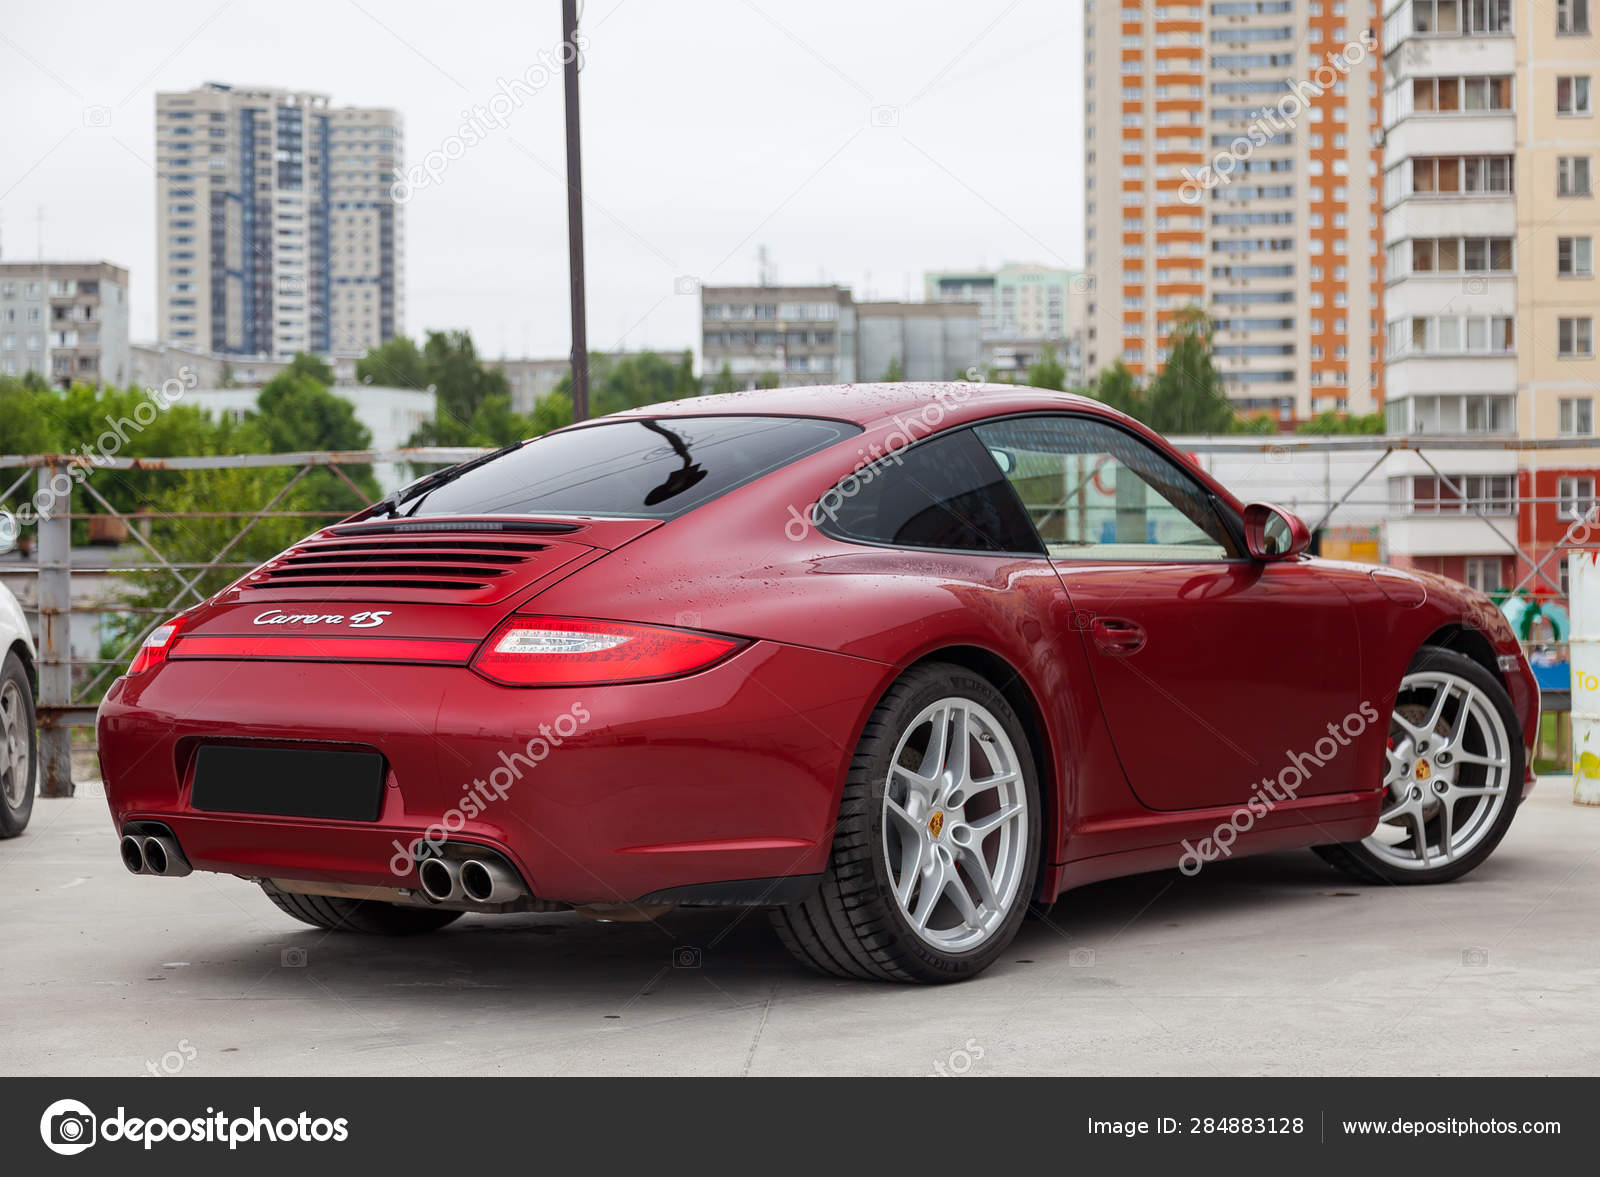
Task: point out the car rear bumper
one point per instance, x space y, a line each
596 794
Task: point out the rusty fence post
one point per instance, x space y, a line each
55 629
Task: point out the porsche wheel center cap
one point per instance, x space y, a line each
1423 771
936 823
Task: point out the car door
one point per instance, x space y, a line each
1216 673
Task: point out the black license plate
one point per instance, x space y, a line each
289 782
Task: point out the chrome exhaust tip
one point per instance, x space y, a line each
489 882
440 879
162 857
133 854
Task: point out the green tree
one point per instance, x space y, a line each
1116 386
895 372
1184 397
295 412
460 380
1331 422
724 382
395 364
1048 371
310 366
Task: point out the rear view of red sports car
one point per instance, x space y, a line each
893 661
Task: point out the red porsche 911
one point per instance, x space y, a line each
894 661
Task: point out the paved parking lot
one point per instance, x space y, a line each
1275 965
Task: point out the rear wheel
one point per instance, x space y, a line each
19 752
1453 776
937 845
359 915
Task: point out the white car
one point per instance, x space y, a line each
19 736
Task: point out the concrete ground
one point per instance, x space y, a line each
1274 965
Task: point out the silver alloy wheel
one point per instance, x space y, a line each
955 824
1448 775
14 745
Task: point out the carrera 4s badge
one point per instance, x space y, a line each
363 620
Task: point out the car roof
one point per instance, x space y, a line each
871 404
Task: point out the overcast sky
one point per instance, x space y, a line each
861 141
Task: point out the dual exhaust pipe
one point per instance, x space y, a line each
154 853
477 880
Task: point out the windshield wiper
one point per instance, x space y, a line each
391 504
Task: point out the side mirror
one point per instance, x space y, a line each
1273 533
8 532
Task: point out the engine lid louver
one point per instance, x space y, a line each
460 567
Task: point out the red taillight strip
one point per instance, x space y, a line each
444 651
534 651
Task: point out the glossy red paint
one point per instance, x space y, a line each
1147 732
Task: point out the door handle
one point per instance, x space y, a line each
1117 636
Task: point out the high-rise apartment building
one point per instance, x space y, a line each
1490 140
276 227
65 321
1231 165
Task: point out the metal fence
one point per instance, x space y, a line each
1326 479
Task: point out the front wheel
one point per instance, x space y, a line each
1452 780
936 850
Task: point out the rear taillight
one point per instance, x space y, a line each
155 648
567 651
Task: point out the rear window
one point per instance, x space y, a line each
643 468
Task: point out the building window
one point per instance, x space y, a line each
1492 494
1453 94
1572 94
1576 497
1575 257
1577 416
1453 175
1572 17
1483 573
1572 175
1575 336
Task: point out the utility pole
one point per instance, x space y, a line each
580 342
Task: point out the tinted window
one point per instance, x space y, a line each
1097 493
944 493
652 469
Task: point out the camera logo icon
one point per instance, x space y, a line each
686 958
884 116
1475 958
686 284
68 1127
293 958
97 116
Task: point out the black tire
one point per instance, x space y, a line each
14 815
1355 859
360 915
852 926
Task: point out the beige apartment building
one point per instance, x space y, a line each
1490 140
1231 165
66 322
276 227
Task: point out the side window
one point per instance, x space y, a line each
1097 493
942 493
